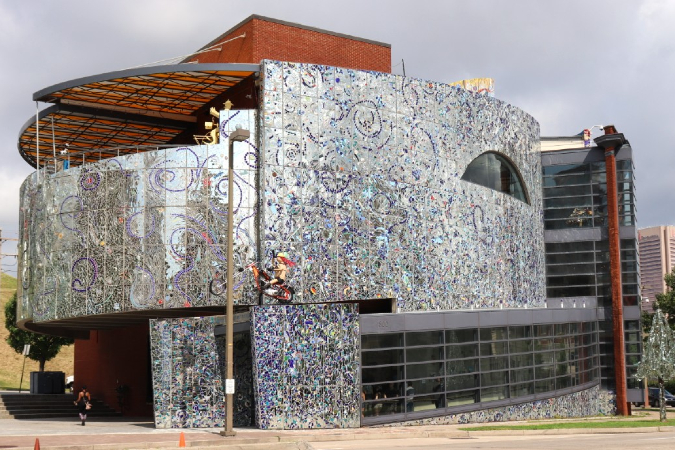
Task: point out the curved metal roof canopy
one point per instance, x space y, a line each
114 113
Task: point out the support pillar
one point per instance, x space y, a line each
610 143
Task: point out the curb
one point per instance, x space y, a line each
300 441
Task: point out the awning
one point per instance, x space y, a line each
127 111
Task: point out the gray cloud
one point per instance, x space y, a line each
570 64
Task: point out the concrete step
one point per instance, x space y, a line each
52 415
43 406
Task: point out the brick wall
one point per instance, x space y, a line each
272 40
112 356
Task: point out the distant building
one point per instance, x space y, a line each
657 258
578 255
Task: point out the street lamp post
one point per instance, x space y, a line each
238 135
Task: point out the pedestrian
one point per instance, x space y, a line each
83 403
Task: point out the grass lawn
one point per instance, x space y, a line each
613 423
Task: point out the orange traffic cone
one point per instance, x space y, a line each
37 444
181 440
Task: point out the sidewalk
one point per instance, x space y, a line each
126 434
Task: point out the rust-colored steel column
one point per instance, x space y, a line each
611 142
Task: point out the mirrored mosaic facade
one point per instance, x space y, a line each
188 365
360 180
591 402
147 231
356 175
361 177
306 366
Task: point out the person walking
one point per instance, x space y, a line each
83 403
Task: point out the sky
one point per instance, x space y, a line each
571 64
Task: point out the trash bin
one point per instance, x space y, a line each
47 382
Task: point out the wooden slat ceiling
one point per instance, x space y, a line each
124 112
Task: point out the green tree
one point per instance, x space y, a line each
43 347
658 356
666 302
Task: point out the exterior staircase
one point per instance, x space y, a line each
47 406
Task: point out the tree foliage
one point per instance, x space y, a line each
43 348
666 302
658 356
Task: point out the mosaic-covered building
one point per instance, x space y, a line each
412 208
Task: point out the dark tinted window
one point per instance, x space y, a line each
494 171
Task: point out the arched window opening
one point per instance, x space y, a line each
495 171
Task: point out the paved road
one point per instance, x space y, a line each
664 440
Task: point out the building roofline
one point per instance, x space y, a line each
291 24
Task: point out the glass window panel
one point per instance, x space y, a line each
424 338
494 378
567 191
520 346
570 247
567 180
574 328
494 171
541 372
561 329
542 386
424 370
632 360
521 390
572 291
631 325
570 258
520 332
566 169
382 357
624 164
426 402
543 344
427 386
380 374
563 382
461 351
494 394
521 360
493 334
372 341
571 280
573 215
462 398
459 336
563 202
570 269
461 366
561 224
390 390
521 375
383 407
462 382
424 354
632 348
494 348
633 336
497 363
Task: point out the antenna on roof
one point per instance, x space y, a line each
208 49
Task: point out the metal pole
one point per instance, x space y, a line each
53 145
611 142
23 369
238 135
37 138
